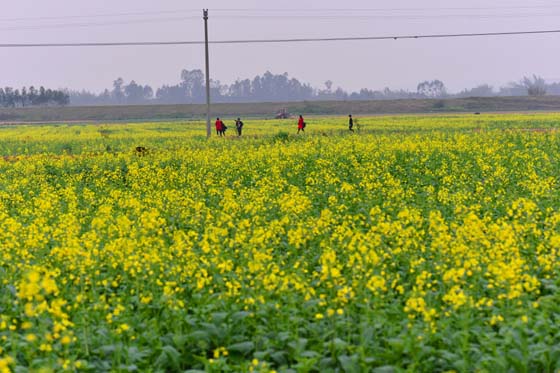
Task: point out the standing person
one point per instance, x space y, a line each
224 128
239 126
350 123
219 125
301 125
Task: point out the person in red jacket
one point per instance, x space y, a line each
219 127
301 124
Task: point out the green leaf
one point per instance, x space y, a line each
385 369
180 340
241 315
461 365
279 357
242 347
211 329
283 336
135 355
339 344
516 358
219 317
396 343
327 363
169 358
298 345
128 368
449 356
310 354
349 363
261 355
198 336
107 350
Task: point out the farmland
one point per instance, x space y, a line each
420 243
137 113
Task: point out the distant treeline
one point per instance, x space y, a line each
269 88
31 96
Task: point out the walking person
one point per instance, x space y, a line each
219 124
239 126
350 123
301 125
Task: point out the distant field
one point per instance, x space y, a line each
110 136
267 110
417 243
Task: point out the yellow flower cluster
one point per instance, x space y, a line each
264 252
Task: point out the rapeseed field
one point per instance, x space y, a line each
416 243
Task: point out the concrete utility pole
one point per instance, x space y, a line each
208 126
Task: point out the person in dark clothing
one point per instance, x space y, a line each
239 126
350 123
301 125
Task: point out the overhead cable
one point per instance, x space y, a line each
268 41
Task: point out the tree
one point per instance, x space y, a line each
137 94
553 89
194 85
23 97
241 89
32 96
61 98
42 99
535 86
117 92
16 97
483 90
432 89
340 94
49 96
9 97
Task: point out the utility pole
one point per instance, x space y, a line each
208 127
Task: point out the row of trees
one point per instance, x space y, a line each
280 87
528 86
31 96
192 90
269 87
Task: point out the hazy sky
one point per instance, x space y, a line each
459 62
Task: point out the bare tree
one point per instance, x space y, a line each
433 89
535 86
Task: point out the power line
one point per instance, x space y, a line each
105 15
295 11
385 16
306 18
98 24
271 14
272 17
338 10
269 41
